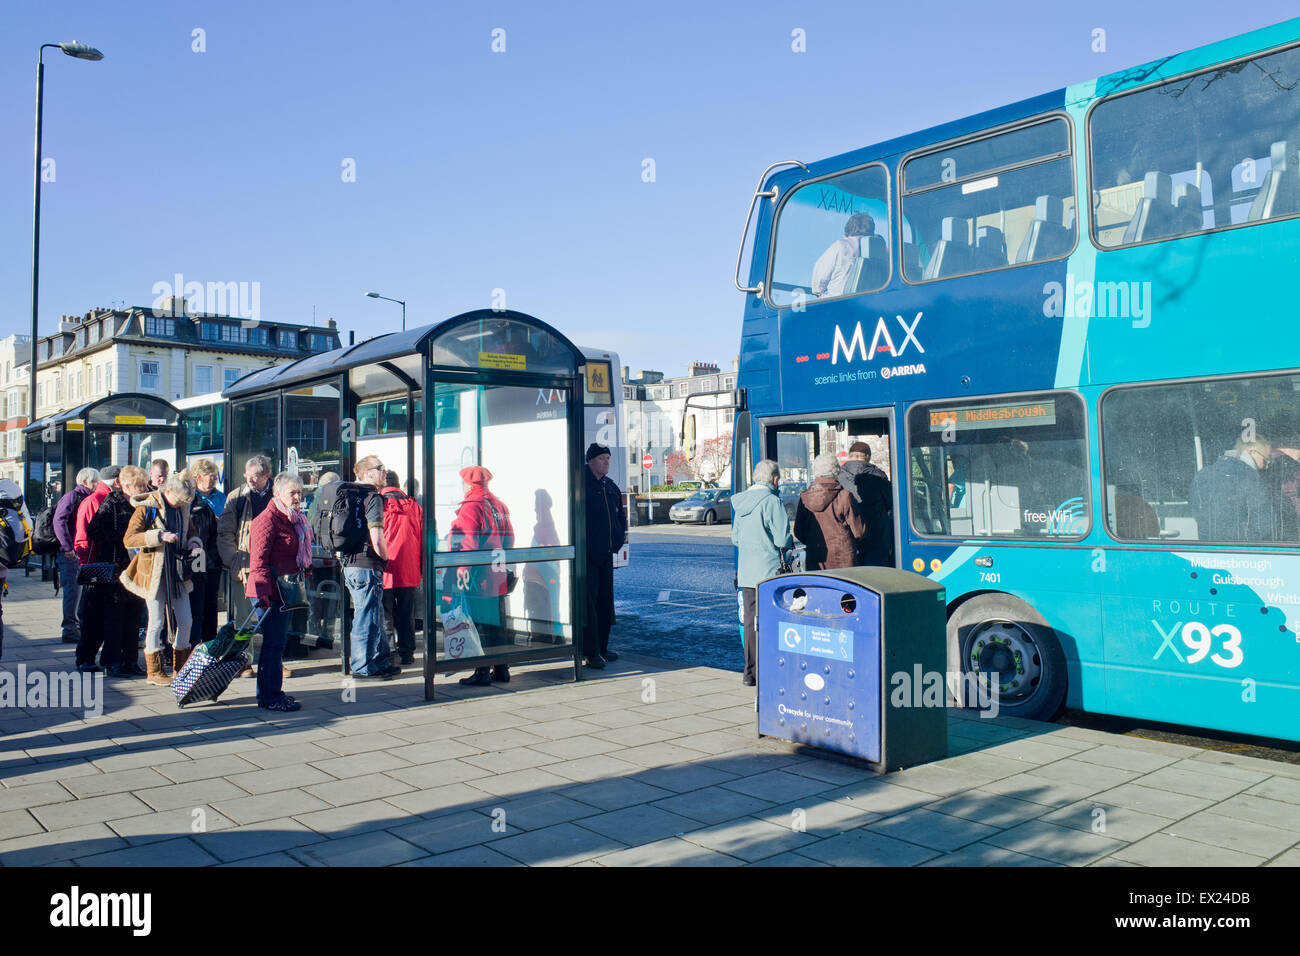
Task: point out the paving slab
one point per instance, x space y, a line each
561 845
379 848
672 851
1165 849
1057 844
1244 836
863 847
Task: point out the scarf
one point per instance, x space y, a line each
300 525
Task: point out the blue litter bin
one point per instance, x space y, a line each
829 643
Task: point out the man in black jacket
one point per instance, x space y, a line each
606 533
873 499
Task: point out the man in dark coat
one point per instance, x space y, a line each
1229 496
606 533
65 529
873 499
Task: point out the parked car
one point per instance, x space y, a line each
790 492
708 505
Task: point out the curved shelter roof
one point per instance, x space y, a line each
112 408
483 339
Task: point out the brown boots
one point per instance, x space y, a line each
179 657
153 663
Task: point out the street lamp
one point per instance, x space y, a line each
376 295
81 51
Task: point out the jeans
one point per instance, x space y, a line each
274 625
68 567
750 598
157 623
369 645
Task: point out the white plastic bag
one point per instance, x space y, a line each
459 635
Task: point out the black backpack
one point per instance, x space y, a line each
15 533
44 540
341 517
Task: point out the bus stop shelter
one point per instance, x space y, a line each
499 390
129 428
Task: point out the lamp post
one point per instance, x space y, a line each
82 52
376 295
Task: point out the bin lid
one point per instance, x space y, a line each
879 580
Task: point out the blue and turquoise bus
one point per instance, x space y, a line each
1091 422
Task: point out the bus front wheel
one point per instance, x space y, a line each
1003 637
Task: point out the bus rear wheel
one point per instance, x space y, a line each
1005 638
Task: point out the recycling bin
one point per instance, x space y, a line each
845 662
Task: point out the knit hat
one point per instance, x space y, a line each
595 450
476 475
825 465
109 473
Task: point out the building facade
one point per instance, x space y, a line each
656 408
170 353
15 353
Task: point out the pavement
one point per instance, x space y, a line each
647 763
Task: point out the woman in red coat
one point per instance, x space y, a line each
279 543
482 523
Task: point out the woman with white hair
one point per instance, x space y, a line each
160 571
279 548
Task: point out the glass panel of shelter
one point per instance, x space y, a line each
520 499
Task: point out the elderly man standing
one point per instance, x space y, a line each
760 530
65 529
234 527
606 532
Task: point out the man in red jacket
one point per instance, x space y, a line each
404 536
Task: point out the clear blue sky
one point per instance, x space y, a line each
476 171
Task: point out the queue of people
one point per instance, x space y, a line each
146 553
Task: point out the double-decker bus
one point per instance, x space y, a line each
1066 328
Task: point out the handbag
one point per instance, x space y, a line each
293 591
98 572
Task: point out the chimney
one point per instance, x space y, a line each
331 324
352 337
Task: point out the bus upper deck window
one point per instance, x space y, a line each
984 204
832 238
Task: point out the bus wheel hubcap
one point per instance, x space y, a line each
1007 653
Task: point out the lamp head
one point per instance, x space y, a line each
372 295
81 51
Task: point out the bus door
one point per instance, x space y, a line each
795 442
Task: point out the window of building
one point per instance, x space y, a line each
156 326
1159 154
1004 199
92 333
1204 460
256 336
202 379
81 337
150 375
99 379
108 377
287 339
229 376
58 345
211 331
683 388
321 342
1013 467
832 238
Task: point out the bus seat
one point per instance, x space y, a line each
1190 216
1154 216
872 270
952 253
1047 238
990 248
911 261
1279 194
1134 518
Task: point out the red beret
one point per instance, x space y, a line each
476 475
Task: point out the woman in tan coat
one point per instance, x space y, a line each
157 573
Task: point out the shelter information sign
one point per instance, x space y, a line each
515 363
